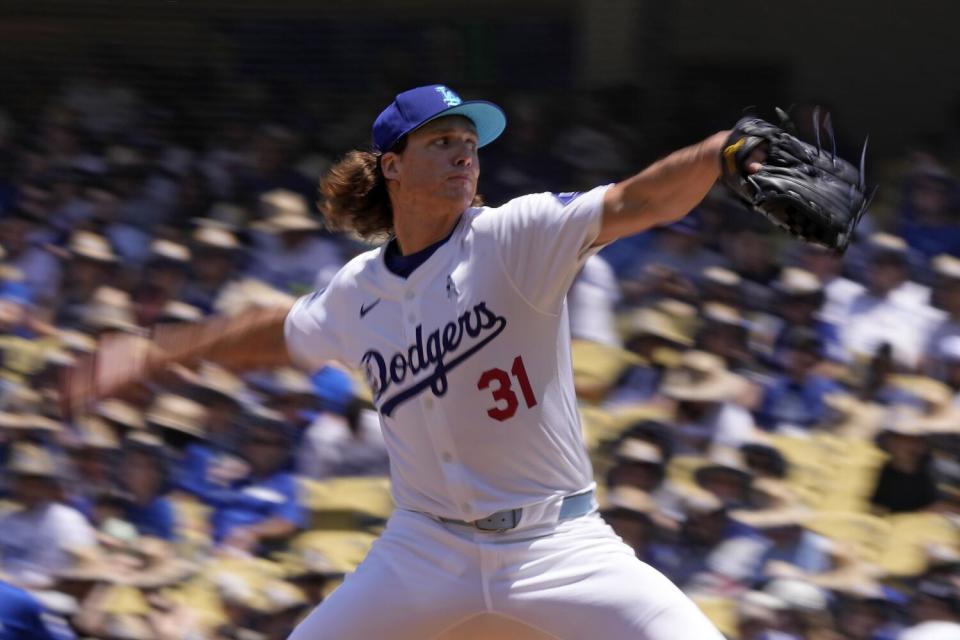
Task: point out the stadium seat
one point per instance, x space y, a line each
681 468
345 549
861 533
721 611
904 552
347 503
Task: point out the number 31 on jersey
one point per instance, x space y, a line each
501 386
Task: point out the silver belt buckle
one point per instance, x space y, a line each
500 521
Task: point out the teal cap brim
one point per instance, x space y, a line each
488 118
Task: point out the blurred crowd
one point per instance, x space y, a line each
774 427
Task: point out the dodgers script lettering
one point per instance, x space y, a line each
441 351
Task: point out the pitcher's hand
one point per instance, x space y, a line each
120 360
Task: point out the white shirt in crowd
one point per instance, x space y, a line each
726 425
839 294
36 543
42 272
293 270
895 319
912 294
592 299
944 340
933 630
330 449
468 358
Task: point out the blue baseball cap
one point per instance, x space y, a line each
412 109
334 387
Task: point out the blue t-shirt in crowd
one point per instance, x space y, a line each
622 255
156 519
191 473
797 404
23 617
252 501
637 385
932 239
808 552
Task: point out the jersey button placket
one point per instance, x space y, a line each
409 296
434 416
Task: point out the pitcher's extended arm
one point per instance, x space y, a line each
251 339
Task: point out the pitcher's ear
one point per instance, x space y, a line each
389 165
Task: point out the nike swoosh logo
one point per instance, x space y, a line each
365 309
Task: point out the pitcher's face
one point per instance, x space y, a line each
439 163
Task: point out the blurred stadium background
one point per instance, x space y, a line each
775 429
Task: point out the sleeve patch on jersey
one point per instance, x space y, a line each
566 197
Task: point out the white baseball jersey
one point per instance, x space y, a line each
469 357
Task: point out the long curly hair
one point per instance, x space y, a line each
354 196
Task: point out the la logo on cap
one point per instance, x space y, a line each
449 97
415 107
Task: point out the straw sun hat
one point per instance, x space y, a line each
702 377
177 413
33 461
112 309
285 211
91 246
208 236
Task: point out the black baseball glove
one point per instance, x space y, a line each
814 195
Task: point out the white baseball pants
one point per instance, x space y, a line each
575 580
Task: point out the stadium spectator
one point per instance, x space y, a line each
655 337
705 525
678 248
24 247
272 151
88 265
750 253
800 298
344 438
143 474
927 213
216 255
290 251
22 616
707 411
36 541
591 301
906 481
265 507
892 310
936 612
795 398
946 297
628 511
163 280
